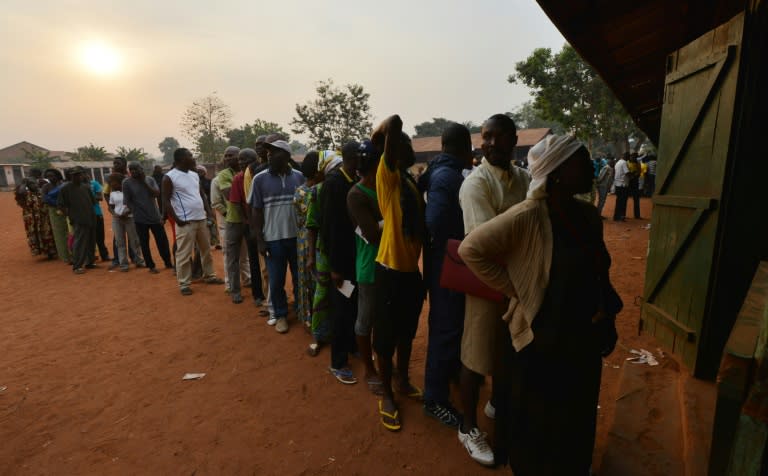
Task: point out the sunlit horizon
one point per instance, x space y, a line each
99 58
122 74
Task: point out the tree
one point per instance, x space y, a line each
568 91
167 146
40 159
206 122
526 116
437 125
298 148
337 116
132 154
472 127
432 128
89 152
246 135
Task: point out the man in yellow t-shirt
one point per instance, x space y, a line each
399 287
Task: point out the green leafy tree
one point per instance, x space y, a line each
167 146
89 152
472 127
206 122
245 136
298 148
432 128
38 158
568 91
336 116
132 154
437 125
526 116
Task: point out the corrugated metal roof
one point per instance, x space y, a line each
525 138
84 163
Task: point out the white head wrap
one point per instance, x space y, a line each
545 157
329 159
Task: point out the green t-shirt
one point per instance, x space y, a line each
365 261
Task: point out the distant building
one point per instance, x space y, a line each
14 162
17 153
98 170
428 147
11 175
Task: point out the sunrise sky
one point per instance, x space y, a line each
121 73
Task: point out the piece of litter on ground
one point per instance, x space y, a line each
646 227
331 459
192 376
642 356
3 389
637 257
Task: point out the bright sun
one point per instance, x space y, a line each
101 59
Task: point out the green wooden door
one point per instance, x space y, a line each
697 117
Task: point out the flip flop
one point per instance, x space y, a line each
412 391
394 419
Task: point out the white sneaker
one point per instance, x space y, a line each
477 446
271 321
490 410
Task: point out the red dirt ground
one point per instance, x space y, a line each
92 366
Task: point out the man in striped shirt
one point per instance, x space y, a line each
274 225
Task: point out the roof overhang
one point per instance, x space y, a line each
628 42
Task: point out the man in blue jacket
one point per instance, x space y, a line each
441 182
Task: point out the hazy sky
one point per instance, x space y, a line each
418 58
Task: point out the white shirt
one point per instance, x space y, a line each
186 200
489 191
620 173
116 200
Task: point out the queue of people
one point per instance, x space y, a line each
366 244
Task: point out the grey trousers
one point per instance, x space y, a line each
122 226
234 236
602 194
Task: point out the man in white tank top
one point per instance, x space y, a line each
184 203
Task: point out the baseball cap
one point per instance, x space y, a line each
280 144
367 149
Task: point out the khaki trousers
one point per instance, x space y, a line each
187 236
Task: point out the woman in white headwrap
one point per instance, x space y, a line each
548 256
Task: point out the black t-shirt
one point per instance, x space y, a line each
78 201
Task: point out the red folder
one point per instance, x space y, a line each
457 277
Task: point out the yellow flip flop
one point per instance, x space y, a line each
413 392
395 424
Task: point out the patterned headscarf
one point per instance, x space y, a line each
328 160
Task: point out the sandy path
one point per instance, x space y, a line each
93 367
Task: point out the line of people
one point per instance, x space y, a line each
631 176
63 217
356 230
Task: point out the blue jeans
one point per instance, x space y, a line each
446 326
280 255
